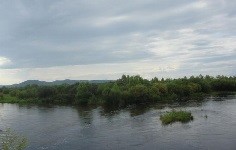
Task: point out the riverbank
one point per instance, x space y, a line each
125 91
198 97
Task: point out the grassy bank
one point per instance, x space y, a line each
176 116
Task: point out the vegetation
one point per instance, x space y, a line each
122 92
176 116
11 141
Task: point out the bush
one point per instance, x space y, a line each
176 116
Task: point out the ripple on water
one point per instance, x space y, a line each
136 127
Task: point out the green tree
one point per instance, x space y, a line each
114 94
139 93
154 93
1 96
84 92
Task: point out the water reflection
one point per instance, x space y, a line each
137 110
110 111
85 115
133 127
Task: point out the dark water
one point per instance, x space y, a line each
66 127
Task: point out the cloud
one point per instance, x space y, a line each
151 38
4 61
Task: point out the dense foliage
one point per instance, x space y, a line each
124 91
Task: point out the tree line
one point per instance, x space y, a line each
124 91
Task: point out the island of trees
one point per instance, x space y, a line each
122 92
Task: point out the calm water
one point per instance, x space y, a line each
66 127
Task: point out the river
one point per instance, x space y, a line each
136 127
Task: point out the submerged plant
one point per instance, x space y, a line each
176 116
10 140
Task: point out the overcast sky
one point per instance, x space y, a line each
103 39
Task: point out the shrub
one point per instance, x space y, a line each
176 116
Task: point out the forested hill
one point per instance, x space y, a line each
57 82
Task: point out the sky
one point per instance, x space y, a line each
103 39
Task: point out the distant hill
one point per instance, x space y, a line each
57 82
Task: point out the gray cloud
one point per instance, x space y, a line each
42 34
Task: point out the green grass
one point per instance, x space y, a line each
176 116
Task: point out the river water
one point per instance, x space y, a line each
136 127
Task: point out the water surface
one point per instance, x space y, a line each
137 127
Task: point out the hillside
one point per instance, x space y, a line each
57 82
